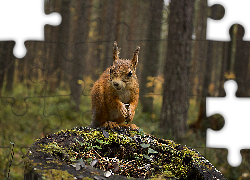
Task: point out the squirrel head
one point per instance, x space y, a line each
123 71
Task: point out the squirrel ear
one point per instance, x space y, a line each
115 52
135 57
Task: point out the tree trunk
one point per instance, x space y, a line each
56 61
151 55
199 48
199 125
2 67
173 118
80 30
225 50
10 66
241 62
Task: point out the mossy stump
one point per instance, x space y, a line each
87 153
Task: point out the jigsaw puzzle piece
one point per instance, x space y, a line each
96 15
241 62
65 78
203 65
12 161
7 65
20 126
28 67
30 74
16 120
56 70
86 117
214 59
26 21
198 57
55 108
51 123
235 111
59 113
110 11
218 30
219 157
70 20
5 153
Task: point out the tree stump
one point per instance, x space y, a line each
88 153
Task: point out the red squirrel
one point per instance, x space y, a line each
115 94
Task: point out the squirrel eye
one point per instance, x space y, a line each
130 74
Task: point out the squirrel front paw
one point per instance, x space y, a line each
130 115
111 125
124 111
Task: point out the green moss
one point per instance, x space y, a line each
130 148
46 172
164 175
87 178
56 174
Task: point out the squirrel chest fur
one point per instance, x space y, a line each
115 94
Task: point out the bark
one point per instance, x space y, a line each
151 55
80 30
173 118
8 47
241 63
2 67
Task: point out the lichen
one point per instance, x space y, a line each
131 153
56 174
45 171
124 152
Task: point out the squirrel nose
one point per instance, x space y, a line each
115 84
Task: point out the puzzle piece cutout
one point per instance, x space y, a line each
235 134
25 21
69 56
218 30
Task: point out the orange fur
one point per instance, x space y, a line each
115 94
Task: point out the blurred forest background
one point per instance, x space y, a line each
49 89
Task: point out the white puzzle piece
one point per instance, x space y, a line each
235 134
28 21
236 12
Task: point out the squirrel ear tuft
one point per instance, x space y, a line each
115 52
135 57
